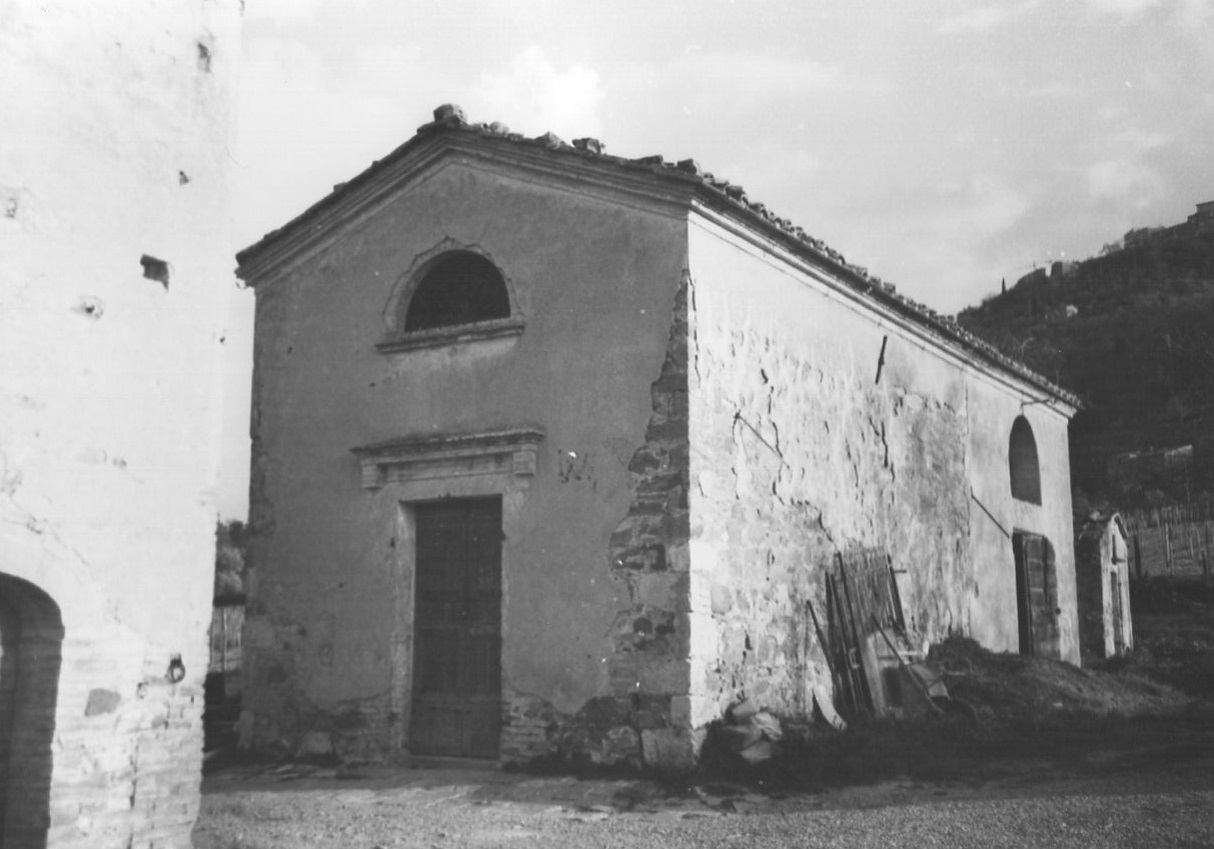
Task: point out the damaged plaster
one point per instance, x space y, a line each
714 421
111 428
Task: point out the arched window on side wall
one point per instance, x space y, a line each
460 288
1023 463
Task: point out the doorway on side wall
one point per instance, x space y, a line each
1036 594
457 632
1118 610
31 647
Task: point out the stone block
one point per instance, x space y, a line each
668 749
721 599
668 674
606 711
622 674
681 711
259 633
648 557
670 430
623 538
314 744
621 745
663 590
349 719
647 459
101 701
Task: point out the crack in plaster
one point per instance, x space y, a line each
693 324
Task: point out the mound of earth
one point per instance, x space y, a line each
1014 688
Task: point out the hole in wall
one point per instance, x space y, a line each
204 58
92 307
155 269
182 178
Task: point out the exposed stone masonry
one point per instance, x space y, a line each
639 721
664 557
798 458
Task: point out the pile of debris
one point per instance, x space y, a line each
748 733
874 670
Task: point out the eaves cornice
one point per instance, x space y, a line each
582 166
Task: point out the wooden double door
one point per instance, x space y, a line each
1036 594
457 629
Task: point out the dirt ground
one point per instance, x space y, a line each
1117 755
1160 794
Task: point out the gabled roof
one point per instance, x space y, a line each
714 191
1092 525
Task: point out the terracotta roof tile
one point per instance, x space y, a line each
450 117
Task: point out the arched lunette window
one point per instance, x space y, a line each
450 295
1023 464
460 288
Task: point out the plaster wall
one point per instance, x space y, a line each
993 608
1100 556
118 124
328 639
799 451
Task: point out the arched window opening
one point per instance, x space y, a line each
461 288
31 639
1022 461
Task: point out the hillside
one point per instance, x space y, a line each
1132 332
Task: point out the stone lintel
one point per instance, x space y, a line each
442 336
510 452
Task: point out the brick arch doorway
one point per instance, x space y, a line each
31 653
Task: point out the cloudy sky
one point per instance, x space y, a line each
943 144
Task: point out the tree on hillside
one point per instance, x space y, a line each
230 540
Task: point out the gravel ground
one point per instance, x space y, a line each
1157 798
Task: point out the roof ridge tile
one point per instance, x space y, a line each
450 117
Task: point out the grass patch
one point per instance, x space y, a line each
1173 635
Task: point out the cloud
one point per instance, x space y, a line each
1188 14
700 98
305 126
1141 141
281 11
769 169
1125 176
1125 180
753 76
982 18
1126 8
1124 173
983 207
532 93
987 17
